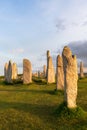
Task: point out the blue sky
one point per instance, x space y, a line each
30 27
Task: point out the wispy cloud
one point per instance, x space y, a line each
17 51
60 25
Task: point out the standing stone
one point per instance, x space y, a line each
48 53
39 74
50 71
70 77
59 74
9 72
27 71
44 71
6 72
14 71
81 70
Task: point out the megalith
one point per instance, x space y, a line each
6 72
27 71
14 71
50 71
44 71
59 74
9 72
81 70
70 77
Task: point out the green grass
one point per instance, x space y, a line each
37 107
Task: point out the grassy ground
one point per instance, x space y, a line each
33 107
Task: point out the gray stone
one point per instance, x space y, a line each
81 70
14 71
9 72
27 71
59 74
44 71
6 72
50 71
70 77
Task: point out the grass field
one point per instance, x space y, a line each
33 107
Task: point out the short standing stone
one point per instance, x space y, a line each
70 77
81 70
6 72
27 71
59 74
50 71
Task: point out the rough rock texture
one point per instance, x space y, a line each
59 74
48 53
9 72
81 70
6 72
27 71
14 71
70 77
44 71
50 71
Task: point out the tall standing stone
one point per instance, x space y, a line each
14 71
81 70
70 77
9 72
59 74
44 71
50 71
27 71
48 53
6 72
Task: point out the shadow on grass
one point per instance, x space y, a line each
46 113
50 92
39 82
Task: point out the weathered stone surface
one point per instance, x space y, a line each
50 71
14 71
44 70
48 53
9 72
59 74
27 71
70 77
6 71
81 70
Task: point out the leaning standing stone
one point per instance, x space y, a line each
59 74
27 71
70 77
